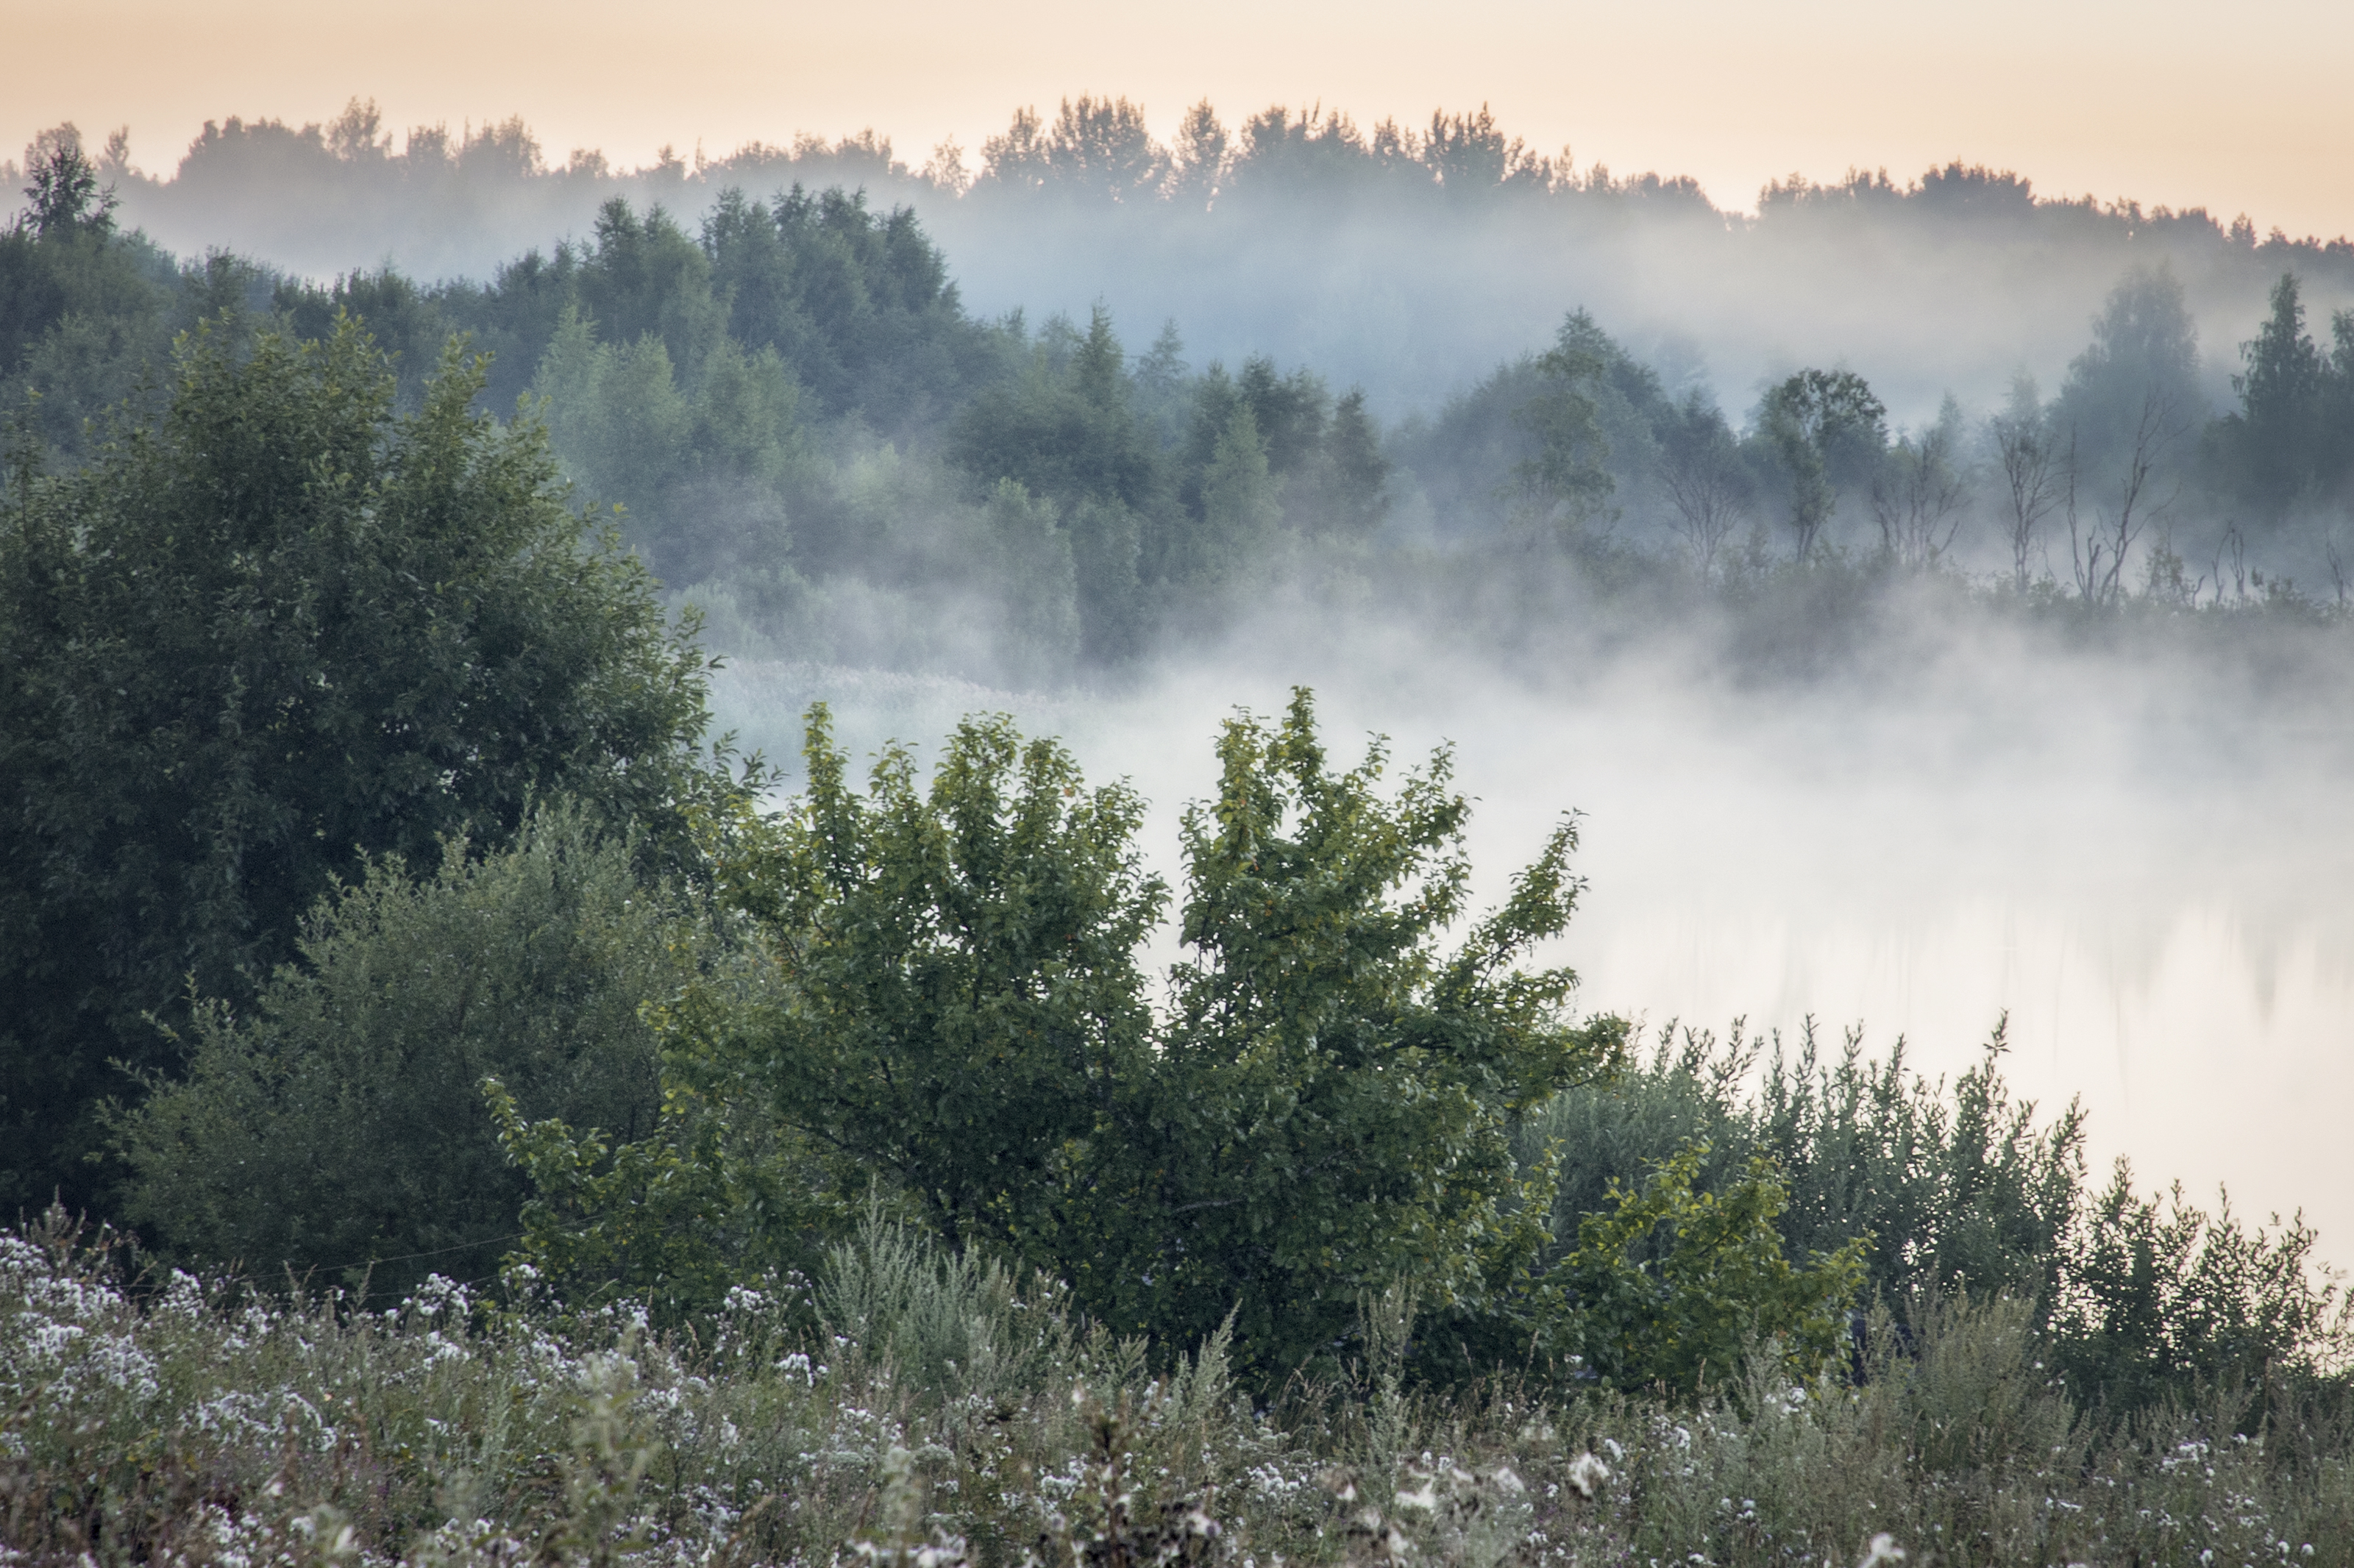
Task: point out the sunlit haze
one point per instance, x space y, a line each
2238 110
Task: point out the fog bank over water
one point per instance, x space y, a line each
2139 860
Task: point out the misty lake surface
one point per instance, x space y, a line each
2144 866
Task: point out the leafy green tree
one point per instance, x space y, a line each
1161 387
1291 412
1952 1185
1107 557
336 1126
281 630
702 477
1353 481
1551 438
1040 621
1829 432
1324 1113
962 1007
648 278
857 304
1339 1085
2136 386
409 322
615 415
1065 431
66 197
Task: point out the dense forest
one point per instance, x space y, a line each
379 912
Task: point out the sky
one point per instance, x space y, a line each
2240 109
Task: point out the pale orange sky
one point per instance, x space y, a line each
2238 108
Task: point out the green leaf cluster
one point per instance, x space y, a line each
1692 1310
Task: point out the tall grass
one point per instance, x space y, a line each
920 1409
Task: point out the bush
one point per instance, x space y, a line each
337 1127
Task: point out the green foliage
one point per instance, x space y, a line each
960 1008
336 1128
2134 389
1325 1111
1947 1191
703 476
954 1324
859 305
1044 592
281 631
83 309
647 278
2289 440
1341 1088
1352 496
1949 1186
1063 427
1107 544
66 199
1239 511
1954 1188
1555 438
1692 1310
2159 1298
668 1223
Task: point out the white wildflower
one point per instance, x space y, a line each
1883 1549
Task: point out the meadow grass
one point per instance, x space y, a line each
915 1409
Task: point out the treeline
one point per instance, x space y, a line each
2054 494
1091 152
811 438
795 413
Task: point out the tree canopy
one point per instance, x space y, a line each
281 631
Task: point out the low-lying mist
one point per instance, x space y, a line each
2133 850
1406 261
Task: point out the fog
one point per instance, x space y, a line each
1414 300
2140 858
1325 256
